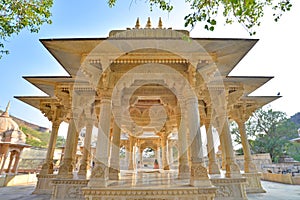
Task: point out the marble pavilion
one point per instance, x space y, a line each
148 88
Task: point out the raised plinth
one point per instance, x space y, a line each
43 185
230 188
253 184
68 189
148 193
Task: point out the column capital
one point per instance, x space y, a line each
104 94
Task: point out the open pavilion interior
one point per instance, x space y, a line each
148 88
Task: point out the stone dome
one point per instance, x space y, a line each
9 129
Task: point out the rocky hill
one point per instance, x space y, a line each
24 123
37 136
296 119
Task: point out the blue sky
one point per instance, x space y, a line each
276 54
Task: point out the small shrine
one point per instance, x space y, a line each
12 143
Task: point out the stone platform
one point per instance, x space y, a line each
150 184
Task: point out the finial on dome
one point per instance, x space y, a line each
5 113
160 25
148 25
137 24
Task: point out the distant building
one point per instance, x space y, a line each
12 143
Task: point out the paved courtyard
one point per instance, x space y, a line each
275 191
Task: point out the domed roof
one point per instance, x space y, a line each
9 129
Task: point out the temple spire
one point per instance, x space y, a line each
5 113
160 25
137 24
148 25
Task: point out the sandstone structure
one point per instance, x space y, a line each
12 143
148 88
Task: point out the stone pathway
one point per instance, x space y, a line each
21 192
275 191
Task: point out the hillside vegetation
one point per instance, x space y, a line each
39 139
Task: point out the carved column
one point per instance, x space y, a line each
85 160
131 145
114 168
183 168
165 164
5 155
65 170
249 166
170 150
100 173
199 176
213 167
47 167
11 157
141 157
16 162
127 155
232 169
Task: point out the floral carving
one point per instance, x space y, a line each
198 171
99 171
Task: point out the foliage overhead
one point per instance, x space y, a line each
16 15
246 12
268 131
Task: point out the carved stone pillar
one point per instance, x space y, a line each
165 163
253 177
199 176
183 168
249 166
141 157
170 150
5 155
11 158
47 167
16 162
232 169
131 149
127 155
114 168
65 170
100 173
213 167
85 160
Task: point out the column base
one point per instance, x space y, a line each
183 172
65 171
213 168
199 176
253 184
167 167
113 174
99 176
43 185
47 168
232 171
82 173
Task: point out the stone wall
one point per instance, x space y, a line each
33 158
281 178
260 160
